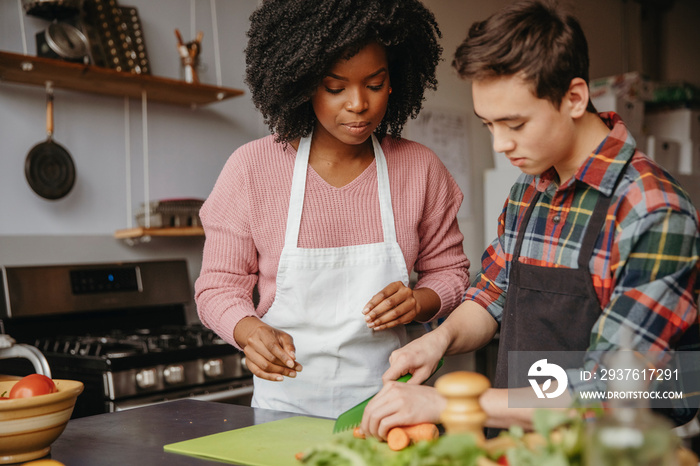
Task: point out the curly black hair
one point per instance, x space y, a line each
294 43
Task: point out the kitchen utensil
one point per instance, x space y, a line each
10 349
353 416
61 40
271 444
49 168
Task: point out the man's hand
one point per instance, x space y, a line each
401 404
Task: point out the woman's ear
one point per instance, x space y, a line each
577 97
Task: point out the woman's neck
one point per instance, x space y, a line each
338 163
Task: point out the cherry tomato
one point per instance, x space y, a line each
33 385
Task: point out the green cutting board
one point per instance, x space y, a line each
271 444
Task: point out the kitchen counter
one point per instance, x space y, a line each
137 436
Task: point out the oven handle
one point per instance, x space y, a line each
224 394
215 396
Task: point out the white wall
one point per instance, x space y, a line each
187 147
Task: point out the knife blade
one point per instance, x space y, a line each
353 416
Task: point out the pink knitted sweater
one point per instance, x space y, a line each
245 217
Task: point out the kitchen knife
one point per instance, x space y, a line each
353 416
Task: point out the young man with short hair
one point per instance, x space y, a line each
595 242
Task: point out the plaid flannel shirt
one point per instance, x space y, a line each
646 260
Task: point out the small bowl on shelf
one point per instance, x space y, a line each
28 426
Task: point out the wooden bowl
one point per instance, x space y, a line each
28 426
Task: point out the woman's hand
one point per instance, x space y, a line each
269 352
394 305
401 404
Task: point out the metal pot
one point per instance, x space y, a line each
49 168
52 9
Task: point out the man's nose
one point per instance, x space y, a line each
502 142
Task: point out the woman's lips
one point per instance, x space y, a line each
357 128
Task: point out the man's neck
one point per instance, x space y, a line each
590 131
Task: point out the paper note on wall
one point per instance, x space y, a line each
445 132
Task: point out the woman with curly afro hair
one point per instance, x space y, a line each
330 214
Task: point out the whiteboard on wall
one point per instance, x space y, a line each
446 133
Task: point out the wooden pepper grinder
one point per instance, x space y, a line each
463 412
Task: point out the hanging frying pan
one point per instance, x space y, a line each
49 168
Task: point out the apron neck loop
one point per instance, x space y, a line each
385 207
296 196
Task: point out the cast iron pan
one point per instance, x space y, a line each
49 168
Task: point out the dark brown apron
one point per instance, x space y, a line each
547 308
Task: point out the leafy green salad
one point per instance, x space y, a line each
561 443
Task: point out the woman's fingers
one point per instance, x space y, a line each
270 354
392 306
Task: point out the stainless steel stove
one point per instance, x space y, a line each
121 329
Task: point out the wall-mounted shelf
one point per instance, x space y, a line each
141 232
26 69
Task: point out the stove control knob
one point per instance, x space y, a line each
244 366
174 374
146 378
214 368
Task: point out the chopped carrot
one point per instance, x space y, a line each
424 431
357 433
299 455
398 439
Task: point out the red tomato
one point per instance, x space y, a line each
502 460
33 385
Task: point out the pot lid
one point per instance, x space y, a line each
66 40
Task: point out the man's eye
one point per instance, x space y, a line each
517 127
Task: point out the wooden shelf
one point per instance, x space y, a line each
26 69
141 232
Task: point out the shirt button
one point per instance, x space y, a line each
556 219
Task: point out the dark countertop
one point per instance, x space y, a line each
137 436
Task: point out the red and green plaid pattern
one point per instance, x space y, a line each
645 263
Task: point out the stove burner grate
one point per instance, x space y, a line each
121 344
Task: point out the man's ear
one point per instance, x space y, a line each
577 97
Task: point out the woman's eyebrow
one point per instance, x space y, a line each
343 78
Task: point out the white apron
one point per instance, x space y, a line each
319 300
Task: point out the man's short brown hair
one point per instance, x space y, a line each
533 38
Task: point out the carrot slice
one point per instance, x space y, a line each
424 431
398 439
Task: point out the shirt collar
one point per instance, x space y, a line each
603 166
